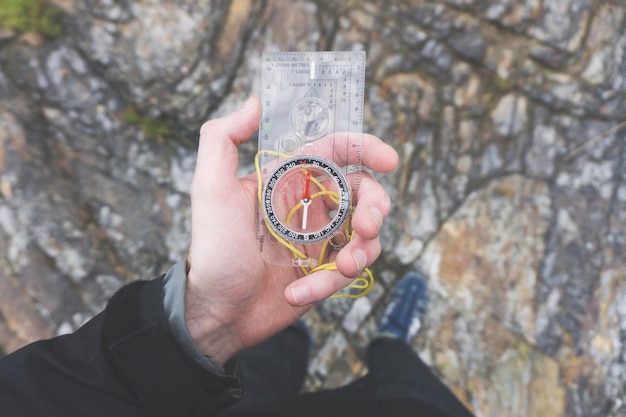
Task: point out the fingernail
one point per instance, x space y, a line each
360 257
248 105
377 216
301 294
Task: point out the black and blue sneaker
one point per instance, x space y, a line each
405 313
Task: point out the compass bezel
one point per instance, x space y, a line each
272 183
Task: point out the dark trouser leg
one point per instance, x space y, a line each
276 368
398 372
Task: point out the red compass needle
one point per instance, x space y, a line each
306 200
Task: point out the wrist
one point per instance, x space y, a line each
211 334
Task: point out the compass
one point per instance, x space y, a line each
306 199
309 159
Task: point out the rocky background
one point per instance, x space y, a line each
511 194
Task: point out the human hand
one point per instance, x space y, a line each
234 299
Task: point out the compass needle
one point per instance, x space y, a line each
305 212
306 200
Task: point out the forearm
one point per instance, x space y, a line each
175 301
126 361
145 352
65 376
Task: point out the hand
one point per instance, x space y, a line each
234 299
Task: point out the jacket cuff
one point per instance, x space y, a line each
174 286
145 353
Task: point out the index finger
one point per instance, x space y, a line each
349 148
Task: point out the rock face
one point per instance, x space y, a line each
510 197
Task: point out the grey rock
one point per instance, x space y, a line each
510 194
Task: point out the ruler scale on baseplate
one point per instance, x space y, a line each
310 149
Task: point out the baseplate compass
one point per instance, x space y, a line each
309 159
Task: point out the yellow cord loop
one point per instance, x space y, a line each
357 288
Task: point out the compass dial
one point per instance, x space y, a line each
306 199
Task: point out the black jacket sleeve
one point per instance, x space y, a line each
124 362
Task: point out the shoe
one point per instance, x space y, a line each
405 313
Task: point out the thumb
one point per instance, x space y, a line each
219 139
315 287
